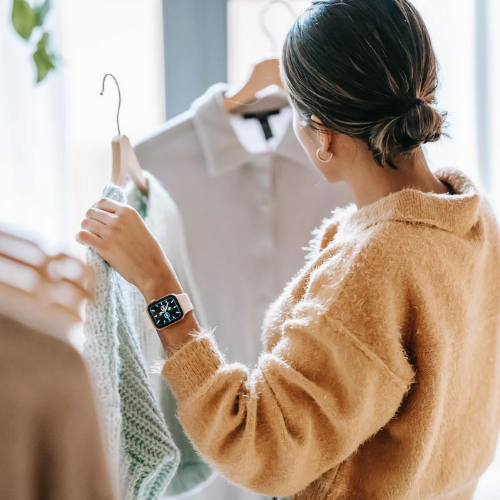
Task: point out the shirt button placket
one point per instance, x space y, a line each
266 242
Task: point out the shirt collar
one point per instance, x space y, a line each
222 150
456 213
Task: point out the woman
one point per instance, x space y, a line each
381 368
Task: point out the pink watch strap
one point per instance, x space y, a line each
184 302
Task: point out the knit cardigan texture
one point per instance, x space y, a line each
381 370
163 219
143 455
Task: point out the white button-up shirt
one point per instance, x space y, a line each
248 206
248 210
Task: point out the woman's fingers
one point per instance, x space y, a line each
101 215
84 237
108 205
98 224
95 227
119 235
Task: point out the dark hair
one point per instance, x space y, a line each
367 69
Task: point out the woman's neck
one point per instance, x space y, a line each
369 182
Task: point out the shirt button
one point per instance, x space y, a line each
267 244
264 248
261 162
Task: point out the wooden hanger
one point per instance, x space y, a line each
44 292
265 72
125 162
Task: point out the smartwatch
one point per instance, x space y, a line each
164 312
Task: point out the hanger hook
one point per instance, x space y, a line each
262 21
119 99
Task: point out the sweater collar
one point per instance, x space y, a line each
222 149
456 213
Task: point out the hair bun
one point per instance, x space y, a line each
359 66
410 104
418 124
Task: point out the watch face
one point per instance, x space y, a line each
165 311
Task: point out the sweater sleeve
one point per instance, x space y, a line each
307 405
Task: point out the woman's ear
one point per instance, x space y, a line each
325 135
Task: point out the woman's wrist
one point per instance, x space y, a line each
158 285
178 334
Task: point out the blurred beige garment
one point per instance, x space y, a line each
50 439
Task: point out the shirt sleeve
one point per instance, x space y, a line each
308 404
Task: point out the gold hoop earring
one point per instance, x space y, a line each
321 159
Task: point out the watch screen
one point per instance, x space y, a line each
165 311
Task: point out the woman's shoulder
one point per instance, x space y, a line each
363 261
389 254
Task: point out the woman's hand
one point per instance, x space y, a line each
118 234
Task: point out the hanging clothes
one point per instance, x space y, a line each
249 206
228 180
49 431
163 219
143 455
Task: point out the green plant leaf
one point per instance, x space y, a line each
44 59
23 18
40 13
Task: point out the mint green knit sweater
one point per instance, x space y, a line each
162 217
142 453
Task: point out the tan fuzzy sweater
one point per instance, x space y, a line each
380 378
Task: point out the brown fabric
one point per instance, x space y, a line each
381 375
50 441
